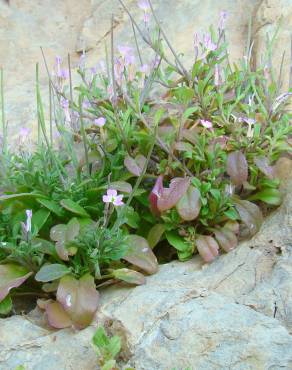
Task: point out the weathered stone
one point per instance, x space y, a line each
274 17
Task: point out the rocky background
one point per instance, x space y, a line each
69 26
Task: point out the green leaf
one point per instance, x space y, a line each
270 196
155 234
100 338
39 218
109 365
114 346
129 276
73 207
177 241
51 272
51 205
6 305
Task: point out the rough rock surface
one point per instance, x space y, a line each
233 314
272 14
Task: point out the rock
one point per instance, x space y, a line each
232 314
275 16
24 343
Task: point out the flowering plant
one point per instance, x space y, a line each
153 158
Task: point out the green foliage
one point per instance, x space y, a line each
134 169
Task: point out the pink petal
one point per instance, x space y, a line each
206 124
112 193
106 199
100 122
118 200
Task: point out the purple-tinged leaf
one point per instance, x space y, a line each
264 166
63 234
79 299
207 247
237 167
232 226
51 272
121 186
135 166
57 317
129 276
189 205
170 196
250 215
155 234
11 276
226 239
156 193
140 254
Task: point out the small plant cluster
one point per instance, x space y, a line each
144 160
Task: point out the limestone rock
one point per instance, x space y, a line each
275 16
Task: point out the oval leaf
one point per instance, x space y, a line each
122 186
170 196
51 272
226 239
155 234
129 276
51 205
57 316
135 166
207 247
250 215
74 207
237 167
269 196
263 165
11 276
189 205
79 299
140 254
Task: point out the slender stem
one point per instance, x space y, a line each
124 139
179 64
70 78
51 114
136 43
84 137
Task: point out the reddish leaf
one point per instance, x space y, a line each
57 317
170 196
11 276
155 194
79 299
129 276
237 167
226 239
264 166
207 247
135 166
250 215
232 226
140 254
189 204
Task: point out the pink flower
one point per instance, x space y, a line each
144 5
145 69
206 124
208 43
222 21
28 220
113 197
100 122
